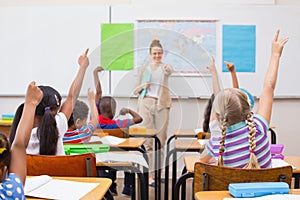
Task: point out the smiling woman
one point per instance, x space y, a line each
154 96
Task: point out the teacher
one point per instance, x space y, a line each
154 99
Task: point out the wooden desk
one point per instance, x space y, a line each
130 144
219 195
5 128
97 193
190 161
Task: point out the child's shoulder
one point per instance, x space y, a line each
12 187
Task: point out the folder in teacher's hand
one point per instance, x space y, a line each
146 78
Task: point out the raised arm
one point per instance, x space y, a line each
97 84
214 73
68 105
266 98
94 111
18 150
230 67
136 118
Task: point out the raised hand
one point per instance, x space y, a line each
83 60
211 66
98 69
34 94
124 111
91 95
229 66
278 44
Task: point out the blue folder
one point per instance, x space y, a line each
146 78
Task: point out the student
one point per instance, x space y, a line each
51 118
13 159
107 109
154 100
244 142
210 123
79 131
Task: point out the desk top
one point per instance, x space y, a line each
97 193
188 144
185 132
149 132
190 161
293 160
131 143
219 195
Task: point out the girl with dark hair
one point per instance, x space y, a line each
51 117
13 157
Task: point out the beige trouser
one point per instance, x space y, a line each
154 117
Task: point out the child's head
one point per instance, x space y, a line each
5 156
51 101
79 116
45 119
108 106
231 106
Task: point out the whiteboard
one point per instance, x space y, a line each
43 44
266 18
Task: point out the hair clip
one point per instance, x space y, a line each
47 108
57 101
2 149
252 151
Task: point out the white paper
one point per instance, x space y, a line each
35 182
110 140
281 163
121 157
57 189
271 197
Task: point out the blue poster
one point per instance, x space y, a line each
239 47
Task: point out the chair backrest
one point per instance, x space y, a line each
121 133
81 165
215 178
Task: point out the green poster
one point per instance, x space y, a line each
117 43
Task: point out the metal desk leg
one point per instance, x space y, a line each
174 171
183 186
169 141
182 179
167 174
297 177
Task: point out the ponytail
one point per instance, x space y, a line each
222 144
48 134
253 163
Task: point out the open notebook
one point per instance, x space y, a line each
46 187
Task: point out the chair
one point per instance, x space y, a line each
215 178
82 165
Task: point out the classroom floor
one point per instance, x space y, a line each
151 190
